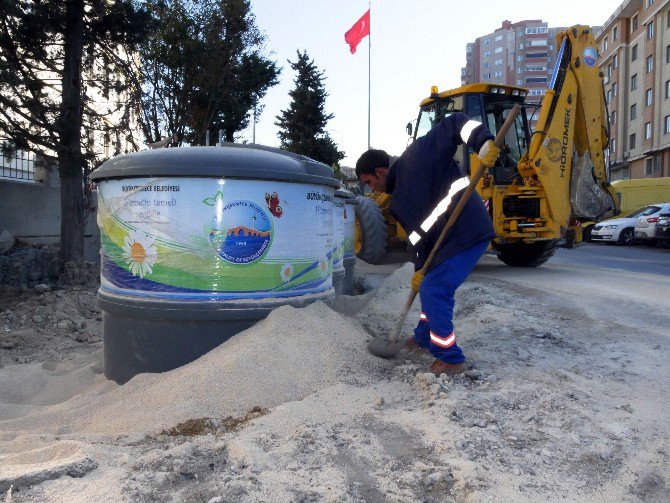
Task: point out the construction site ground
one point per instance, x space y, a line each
566 398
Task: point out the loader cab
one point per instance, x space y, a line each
486 103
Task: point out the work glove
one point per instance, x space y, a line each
416 281
488 154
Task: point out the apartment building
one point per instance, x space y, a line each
520 54
635 58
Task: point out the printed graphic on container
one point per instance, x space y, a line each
338 233
349 231
191 238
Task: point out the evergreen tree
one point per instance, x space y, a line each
302 125
45 101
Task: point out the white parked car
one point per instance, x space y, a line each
622 229
645 228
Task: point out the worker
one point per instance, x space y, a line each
425 184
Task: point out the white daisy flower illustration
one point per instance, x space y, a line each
287 272
140 253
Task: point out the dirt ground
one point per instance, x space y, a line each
566 398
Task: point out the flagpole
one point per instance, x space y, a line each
369 69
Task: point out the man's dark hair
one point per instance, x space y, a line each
370 160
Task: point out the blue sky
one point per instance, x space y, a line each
415 44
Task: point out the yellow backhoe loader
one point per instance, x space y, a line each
545 183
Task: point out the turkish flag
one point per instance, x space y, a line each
358 32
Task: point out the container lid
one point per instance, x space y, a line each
345 194
232 160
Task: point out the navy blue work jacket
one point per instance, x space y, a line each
421 178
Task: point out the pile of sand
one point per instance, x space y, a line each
290 355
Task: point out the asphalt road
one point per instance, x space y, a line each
638 258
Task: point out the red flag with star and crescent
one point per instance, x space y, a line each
358 32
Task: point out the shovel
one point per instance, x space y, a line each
390 346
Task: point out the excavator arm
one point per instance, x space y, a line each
566 151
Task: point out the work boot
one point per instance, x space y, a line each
413 346
451 369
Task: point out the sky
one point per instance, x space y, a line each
415 44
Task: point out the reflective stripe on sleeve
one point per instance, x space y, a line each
468 128
414 238
423 317
442 206
443 342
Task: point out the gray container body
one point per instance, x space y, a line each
155 319
142 336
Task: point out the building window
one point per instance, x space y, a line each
647 130
650 30
535 30
521 47
498 50
653 165
538 42
666 129
609 70
531 55
633 82
615 61
633 111
613 145
631 142
605 44
487 41
519 69
519 82
667 89
633 53
614 89
498 38
648 98
615 33
650 64
536 80
667 21
633 24
519 58
613 117
650 3
608 96
667 54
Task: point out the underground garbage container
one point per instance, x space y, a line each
338 240
199 243
349 257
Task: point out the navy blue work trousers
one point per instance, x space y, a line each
435 330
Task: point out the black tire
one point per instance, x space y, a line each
371 233
526 254
627 237
586 234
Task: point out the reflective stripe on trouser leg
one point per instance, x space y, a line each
422 331
437 301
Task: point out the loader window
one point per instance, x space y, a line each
430 115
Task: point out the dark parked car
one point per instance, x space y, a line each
663 229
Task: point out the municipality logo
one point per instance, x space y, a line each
241 232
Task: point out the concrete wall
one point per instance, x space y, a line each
31 212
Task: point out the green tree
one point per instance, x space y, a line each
202 69
302 125
46 104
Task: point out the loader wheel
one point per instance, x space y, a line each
370 231
526 254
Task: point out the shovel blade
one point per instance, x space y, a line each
384 347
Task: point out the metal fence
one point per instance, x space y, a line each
20 166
